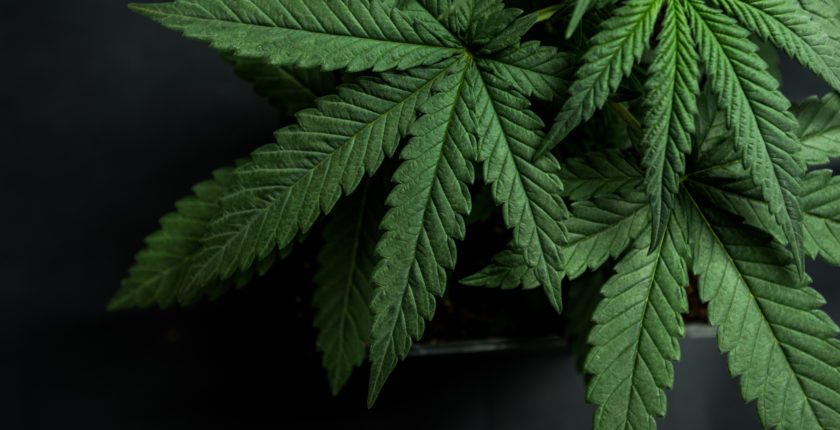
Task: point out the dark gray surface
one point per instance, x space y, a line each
107 119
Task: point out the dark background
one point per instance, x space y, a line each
107 119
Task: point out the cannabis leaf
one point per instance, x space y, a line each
757 113
602 228
532 69
819 128
529 192
161 268
599 173
426 215
288 184
289 88
778 341
787 26
669 122
352 34
820 207
508 270
635 338
344 285
621 42
597 230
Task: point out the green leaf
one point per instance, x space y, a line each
819 128
598 174
778 342
789 27
427 211
494 27
620 44
669 122
508 269
825 14
820 206
597 230
581 7
603 228
584 297
757 113
529 192
161 267
531 69
635 337
455 15
290 183
288 88
352 34
344 290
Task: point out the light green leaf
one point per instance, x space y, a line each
342 298
669 122
777 340
620 44
635 337
757 113
427 211
352 34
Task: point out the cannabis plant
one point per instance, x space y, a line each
670 154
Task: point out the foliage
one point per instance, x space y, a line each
710 179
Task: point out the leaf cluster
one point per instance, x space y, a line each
670 152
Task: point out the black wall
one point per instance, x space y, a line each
108 118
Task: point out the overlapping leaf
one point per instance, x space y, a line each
669 122
289 88
427 211
757 113
161 267
819 128
620 43
789 27
508 269
820 206
597 230
635 337
599 173
529 192
344 288
778 341
290 183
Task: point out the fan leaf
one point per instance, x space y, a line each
669 122
757 113
352 34
620 44
529 192
290 183
347 259
778 341
426 215
635 336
